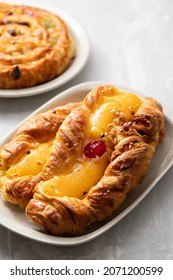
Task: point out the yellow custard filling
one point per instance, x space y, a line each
104 115
86 172
32 163
78 182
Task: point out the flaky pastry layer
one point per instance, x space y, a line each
37 129
74 188
130 143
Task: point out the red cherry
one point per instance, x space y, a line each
95 148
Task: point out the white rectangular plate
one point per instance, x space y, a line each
14 218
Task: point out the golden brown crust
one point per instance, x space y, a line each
35 46
20 190
71 134
38 128
134 144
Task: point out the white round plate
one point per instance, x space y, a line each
14 218
82 52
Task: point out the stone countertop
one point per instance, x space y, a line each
131 45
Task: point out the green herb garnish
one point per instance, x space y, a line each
48 24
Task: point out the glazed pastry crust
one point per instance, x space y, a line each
134 143
35 46
38 128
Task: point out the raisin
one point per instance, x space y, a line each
9 13
24 23
12 32
16 72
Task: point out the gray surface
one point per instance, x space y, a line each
131 44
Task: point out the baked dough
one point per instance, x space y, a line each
35 46
26 153
84 159
81 184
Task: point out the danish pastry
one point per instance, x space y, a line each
25 154
35 46
101 152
